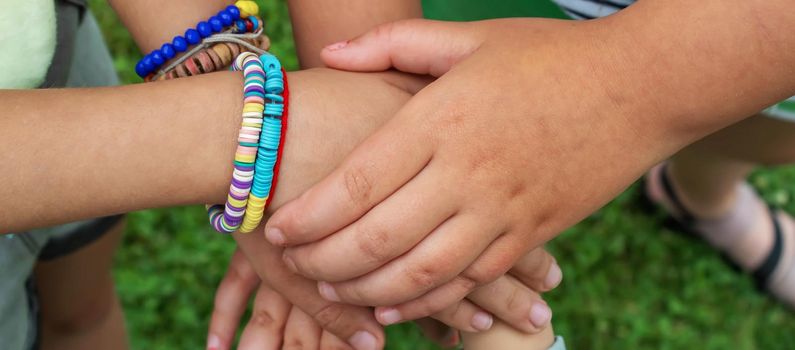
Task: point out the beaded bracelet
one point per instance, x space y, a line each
270 143
228 218
238 18
211 59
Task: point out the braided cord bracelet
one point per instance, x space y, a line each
228 218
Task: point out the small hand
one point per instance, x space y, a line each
275 323
524 134
514 298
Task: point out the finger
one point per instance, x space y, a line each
387 231
355 324
363 180
514 303
440 257
409 83
432 302
413 46
231 300
538 270
466 317
301 332
438 332
268 318
330 341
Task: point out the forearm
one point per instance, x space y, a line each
699 66
153 22
320 23
94 152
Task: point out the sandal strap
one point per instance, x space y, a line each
762 274
685 218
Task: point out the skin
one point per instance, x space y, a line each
79 305
138 124
145 18
319 23
475 171
92 323
148 37
276 323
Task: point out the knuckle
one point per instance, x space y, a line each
422 277
515 300
264 320
297 224
460 313
466 283
304 260
358 186
372 241
384 31
483 274
330 317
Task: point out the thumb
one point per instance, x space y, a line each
413 46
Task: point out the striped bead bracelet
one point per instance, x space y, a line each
260 140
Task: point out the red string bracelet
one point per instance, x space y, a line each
285 117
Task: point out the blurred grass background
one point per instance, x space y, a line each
628 283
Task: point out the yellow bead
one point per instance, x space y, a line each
237 203
254 106
253 109
247 8
245 158
252 125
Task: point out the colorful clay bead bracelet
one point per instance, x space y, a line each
258 156
270 142
228 218
239 17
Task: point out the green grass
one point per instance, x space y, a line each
628 282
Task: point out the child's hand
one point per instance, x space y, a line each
514 298
275 323
498 155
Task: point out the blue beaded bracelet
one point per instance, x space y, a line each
230 17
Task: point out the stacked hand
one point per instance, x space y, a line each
278 322
318 139
526 131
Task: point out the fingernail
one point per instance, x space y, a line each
338 45
363 340
327 291
213 342
288 261
540 315
482 321
275 236
390 316
554 276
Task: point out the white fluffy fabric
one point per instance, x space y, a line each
27 42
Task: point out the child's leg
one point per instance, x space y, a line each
503 337
79 306
708 180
